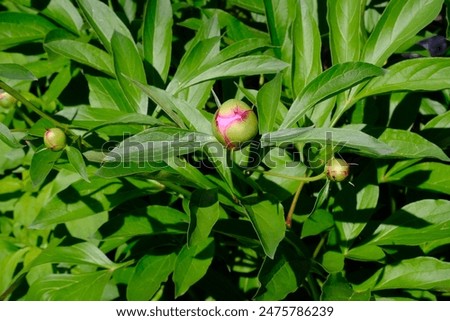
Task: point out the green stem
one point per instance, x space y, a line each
303 181
12 287
293 205
28 104
178 189
25 117
315 292
300 179
35 109
319 246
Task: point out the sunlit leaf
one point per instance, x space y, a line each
332 81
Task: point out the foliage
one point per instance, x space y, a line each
144 202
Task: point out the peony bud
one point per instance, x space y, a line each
6 100
337 169
55 139
234 124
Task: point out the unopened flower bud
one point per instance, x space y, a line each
337 169
234 124
55 139
6 100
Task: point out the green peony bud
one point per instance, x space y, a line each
337 169
235 124
6 100
55 139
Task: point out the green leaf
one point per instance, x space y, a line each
401 20
238 48
177 109
322 196
280 162
408 144
350 139
279 16
77 161
316 223
337 288
333 261
268 221
345 20
7 137
200 51
191 265
81 253
58 85
190 172
242 66
14 71
365 253
41 165
429 176
97 118
83 199
425 273
18 28
157 35
128 65
354 206
268 99
158 221
104 21
11 259
236 29
111 170
83 53
204 212
243 232
86 228
69 287
158 144
283 274
306 47
255 6
151 270
414 74
65 14
440 121
415 224
105 92
334 80
199 55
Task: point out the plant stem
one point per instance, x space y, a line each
25 117
301 179
178 189
293 204
319 246
315 292
28 104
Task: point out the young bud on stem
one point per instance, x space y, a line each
337 169
6 100
55 139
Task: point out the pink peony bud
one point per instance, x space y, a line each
234 124
337 169
55 139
